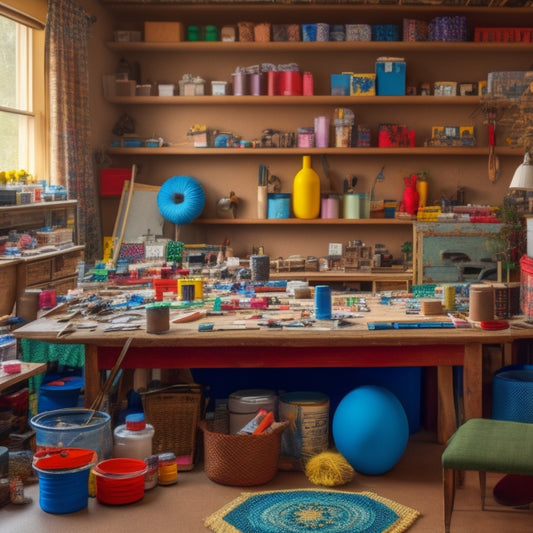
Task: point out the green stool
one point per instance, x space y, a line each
485 445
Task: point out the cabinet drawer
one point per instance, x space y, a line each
65 264
8 284
38 271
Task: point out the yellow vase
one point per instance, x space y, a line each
422 190
306 191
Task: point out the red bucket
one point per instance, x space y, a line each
120 480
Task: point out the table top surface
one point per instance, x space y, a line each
27 371
246 327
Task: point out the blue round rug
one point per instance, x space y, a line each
306 510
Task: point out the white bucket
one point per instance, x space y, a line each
308 431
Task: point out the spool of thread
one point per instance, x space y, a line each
157 317
481 303
449 297
322 302
322 132
352 206
168 469
260 267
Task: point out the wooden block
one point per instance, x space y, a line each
164 32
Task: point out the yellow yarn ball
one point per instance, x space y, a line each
329 469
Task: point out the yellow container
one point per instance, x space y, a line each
306 191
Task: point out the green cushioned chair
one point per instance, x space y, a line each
485 445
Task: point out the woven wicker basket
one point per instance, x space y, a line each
174 412
241 460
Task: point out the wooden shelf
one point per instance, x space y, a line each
306 222
231 100
373 151
326 46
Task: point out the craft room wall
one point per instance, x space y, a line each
240 173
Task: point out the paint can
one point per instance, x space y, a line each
244 404
158 317
481 303
308 431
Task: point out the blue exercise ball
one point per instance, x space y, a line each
370 429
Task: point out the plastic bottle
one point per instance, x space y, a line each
306 191
133 439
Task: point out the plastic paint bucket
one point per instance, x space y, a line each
120 480
68 428
64 490
308 431
59 394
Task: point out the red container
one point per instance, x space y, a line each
120 480
112 180
290 83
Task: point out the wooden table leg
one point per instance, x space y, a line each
473 381
446 418
92 374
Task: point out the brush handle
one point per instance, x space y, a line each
262 199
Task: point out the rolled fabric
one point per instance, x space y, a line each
180 199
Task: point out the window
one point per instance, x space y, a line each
19 109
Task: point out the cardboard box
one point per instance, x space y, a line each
164 32
112 180
363 85
390 77
340 84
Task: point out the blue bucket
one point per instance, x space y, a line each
59 394
63 491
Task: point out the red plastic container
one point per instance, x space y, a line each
120 480
112 180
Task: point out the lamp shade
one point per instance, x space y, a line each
523 175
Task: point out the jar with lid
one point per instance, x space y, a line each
133 439
168 469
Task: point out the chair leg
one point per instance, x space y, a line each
448 481
482 487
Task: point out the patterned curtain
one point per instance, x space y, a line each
71 162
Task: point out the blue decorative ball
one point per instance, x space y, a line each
180 200
370 429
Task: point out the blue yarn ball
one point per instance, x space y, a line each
180 199
370 429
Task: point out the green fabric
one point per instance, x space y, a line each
491 446
45 352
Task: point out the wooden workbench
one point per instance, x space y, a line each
183 346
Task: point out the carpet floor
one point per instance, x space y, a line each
415 482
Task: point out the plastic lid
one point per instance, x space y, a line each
135 422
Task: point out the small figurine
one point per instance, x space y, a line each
227 207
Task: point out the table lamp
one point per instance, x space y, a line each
523 175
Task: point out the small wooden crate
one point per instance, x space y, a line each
174 412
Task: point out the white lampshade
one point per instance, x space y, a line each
523 175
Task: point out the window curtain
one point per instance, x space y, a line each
71 162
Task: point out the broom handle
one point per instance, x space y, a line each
98 400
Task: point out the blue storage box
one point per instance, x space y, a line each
341 84
390 77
